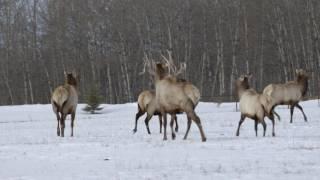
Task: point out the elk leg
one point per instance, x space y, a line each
62 124
272 111
264 127
164 126
171 126
73 115
196 119
58 126
176 120
160 122
240 122
256 126
275 113
138 115
146 121
272 120
188 128
291 112
304 115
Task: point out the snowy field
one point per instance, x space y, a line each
104 146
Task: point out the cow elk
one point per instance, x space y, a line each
253 105
64 101
147 99
289 93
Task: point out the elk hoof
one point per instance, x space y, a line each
173 136
273 134
176 129
204 139
165 138
134 131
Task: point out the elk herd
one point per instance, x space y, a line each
173 95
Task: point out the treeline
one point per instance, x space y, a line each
106 40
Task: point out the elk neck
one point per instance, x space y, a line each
303 84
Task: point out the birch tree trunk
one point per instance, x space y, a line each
7 84
235 44
219 59
110 93
124 70
246 34
279 40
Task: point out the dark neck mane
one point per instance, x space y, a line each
71 81
242 87
160 72
303 81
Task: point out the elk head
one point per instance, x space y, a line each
302 78
301 74
71 78
242 82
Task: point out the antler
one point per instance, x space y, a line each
149 64
173 69
169 62
183 67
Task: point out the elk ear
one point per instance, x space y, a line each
297 71
249 75
65 74
241 78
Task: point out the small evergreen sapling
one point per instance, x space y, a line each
93 100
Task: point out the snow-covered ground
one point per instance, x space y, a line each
104 146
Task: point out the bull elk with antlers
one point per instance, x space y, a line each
173 95
64 101
147 99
